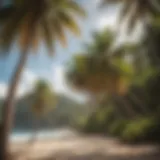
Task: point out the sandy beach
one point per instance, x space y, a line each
82 147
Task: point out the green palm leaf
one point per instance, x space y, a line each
53 16
48 35
74 7
136 9
69 22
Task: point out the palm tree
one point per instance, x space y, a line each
97 70
99 76
29 23
101 43
104 71
103 79
146 11
43 98
101 73
136 9
43 101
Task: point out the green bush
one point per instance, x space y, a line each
100 116
138 130
80 123
117 127
99 122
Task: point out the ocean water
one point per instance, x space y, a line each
43 134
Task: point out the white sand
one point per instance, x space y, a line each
78 145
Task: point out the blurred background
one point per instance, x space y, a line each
79 79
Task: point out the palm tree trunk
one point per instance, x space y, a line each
8 107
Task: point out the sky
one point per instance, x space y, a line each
39 65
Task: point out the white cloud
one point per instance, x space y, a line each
110 20
96 2
28 77
26 84
134 36
106 21
107 16
57 79
60 85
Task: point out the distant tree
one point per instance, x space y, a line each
43 98
43 101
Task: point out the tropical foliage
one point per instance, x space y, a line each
136 10
30 23
134 115
97 71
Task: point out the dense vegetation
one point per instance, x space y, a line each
124 80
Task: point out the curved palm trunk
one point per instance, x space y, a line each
8 107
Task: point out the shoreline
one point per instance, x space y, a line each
57 133
80 146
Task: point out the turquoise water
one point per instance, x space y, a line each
25 136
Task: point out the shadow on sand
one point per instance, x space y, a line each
100 156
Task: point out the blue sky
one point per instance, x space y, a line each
41 66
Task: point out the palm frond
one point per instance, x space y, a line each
48 36
142 9
37 38
69 22
57 16
24 31
75 8
58 30
126 8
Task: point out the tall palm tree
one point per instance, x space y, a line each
29 23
